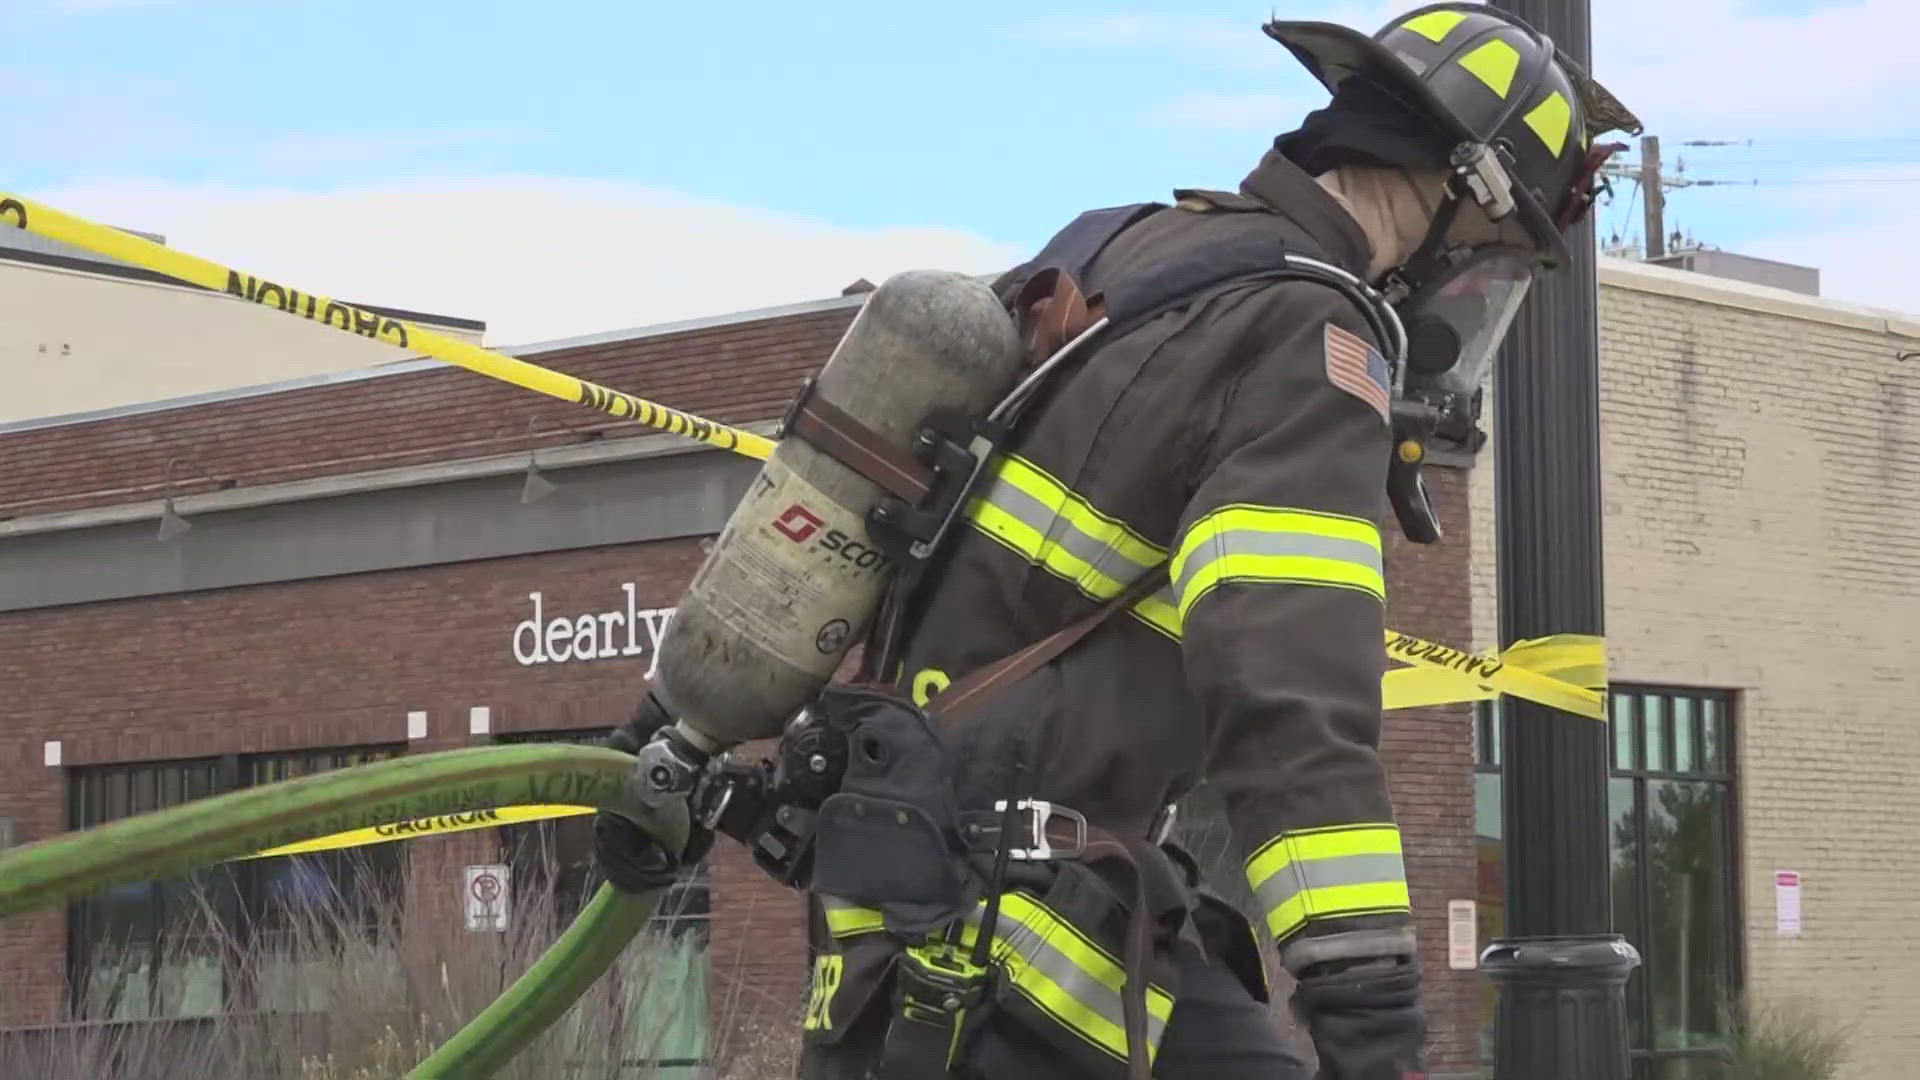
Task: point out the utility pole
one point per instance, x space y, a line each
1655 193
1561 972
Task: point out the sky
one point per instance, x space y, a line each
591 165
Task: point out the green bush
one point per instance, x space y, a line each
1786 1041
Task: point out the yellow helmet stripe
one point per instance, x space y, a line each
1551 120
1434 25
1495 63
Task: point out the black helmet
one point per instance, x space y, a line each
1514 117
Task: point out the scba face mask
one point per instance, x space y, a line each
1455 324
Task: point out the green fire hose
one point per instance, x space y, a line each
169 842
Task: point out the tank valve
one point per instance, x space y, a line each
666 769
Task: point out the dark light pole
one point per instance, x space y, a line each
1560 970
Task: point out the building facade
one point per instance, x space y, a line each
81 332
1761 454
412 558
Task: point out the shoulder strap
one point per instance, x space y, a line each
1074 248
982 683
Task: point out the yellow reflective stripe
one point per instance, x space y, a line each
1339 870
1278 545
1434 25
827 970
1067 976
1160 611
1495 63
1109 531
1551 119
927 683
1053 527
1372 898
1087 955
845 919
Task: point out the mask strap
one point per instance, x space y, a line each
1407 278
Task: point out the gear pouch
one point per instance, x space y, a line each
890 837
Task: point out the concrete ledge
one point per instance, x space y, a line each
1726 292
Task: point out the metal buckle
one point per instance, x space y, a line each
1168 815
1040 812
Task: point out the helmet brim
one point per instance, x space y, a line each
1335 54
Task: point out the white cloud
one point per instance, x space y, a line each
1716 69
535 257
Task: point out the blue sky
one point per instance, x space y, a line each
583 166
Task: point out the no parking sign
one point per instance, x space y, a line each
487 897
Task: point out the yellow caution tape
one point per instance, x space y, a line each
1565 671
418 827
45 221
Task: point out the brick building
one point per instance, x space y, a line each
363 563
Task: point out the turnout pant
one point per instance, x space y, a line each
1217 1032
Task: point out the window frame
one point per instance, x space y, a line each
234 887
1488 757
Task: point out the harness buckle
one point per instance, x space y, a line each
1040 813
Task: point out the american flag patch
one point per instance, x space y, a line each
1358 368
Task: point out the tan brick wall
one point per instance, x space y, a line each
1762 504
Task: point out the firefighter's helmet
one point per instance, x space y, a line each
1511 110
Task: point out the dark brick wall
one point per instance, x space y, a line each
1429 755
331 662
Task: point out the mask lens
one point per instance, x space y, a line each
1477 304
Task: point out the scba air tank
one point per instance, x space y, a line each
794 577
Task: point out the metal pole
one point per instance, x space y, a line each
1560 972
1652 189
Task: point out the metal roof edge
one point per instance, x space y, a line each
1732 292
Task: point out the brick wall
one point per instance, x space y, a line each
1429 755
732 373
1762 459
330 662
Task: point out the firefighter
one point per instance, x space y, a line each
1243 439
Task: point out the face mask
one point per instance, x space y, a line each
1474 277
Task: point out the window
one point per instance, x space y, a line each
168 948
1672 842
551 865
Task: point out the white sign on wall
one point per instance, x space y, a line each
1786 902
626 631
1463 935
488 897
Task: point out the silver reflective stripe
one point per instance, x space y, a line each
1326 873
1233 542
1031 944
845 918
1063 533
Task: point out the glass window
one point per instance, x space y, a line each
166 948
1670 835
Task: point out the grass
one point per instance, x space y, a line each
1786 1041
332 995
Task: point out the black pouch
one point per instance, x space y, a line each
1224 930
890 837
